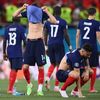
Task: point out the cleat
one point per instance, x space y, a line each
56 88
17 94
93 91
40 93
63 93
11 91
47 85
29 89
74 93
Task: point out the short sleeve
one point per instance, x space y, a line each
23 33
64 24
24 14
79 25
5 33
98 26
45 16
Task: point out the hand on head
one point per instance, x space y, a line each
44 8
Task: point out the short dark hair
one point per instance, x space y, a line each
87 47
91 11
57 11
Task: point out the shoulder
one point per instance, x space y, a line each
61 21
97 22
44 15
19 25
8 26
82 21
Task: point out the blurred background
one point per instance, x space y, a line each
72 11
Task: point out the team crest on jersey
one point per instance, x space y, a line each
76 64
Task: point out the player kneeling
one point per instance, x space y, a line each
69 69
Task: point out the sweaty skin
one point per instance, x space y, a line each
35 31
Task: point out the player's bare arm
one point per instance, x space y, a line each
63 64
45 38
98 37
18 12
5 57
77 38
52 19
76 72
67 39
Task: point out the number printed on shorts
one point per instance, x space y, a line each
54 30
87 29
12 38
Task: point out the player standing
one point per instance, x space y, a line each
13 37
88 32
35 51
54 36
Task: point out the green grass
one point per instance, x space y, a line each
48 95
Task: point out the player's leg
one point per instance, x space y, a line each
12 79
28 60
59 54
40 81
16 64
83 81
93 80
61 76
48 76
93 64
26 73
51 54
41 60
71 77
27 77
56 87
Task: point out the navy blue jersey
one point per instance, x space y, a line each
56 31
75 60
88 29
14 34
35 14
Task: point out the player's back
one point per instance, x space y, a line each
74 59
88 29
14 34
56 31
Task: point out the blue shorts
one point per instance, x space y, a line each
16 63
35 52
62 75
56 52
94 59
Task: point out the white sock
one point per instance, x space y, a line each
40 87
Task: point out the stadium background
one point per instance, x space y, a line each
72 12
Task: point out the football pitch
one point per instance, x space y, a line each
48 95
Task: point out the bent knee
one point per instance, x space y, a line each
74 74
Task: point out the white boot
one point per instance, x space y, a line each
63 93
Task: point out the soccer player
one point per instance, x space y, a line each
69 68
55 34
88 32
13 37
35 51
